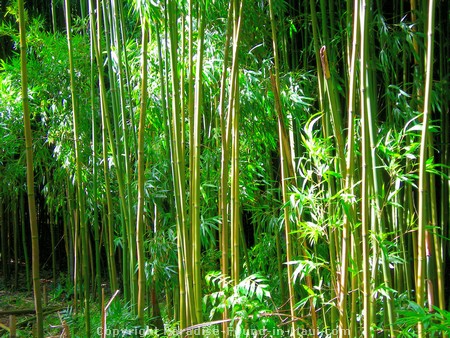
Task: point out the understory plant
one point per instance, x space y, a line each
435 321
249 304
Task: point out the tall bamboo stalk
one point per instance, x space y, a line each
92 36
378 213
80 187
233 115
322 73
30 176
106 138
105 15
286 176
141 174
178 171
444 140
365 172
424 201
350 216
195 171
224 170
118 35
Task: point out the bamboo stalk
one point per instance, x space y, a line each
350 216
326 132
423 216
141 176
285 178
123 139
365 173
107 136
15 226
195 143
178 167
104 14
24 241
30 175
233 115
97 280
79 182
224 159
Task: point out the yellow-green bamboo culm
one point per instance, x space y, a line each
35 266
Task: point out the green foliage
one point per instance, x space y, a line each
264 247
120 321
120 316
162 253
49 96
435 321
318 202
249 302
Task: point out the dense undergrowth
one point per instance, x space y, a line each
300 192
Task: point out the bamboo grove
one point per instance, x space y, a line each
272 165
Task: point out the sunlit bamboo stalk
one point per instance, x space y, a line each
141 176
424 200
332 232
96 225
224 159
116 61
233 115
195 143
112 117
80 187
106 131
178 169
350 215
365 172
378 213
286 176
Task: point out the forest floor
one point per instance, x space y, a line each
17 301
